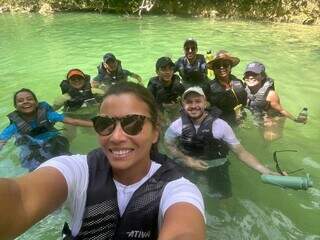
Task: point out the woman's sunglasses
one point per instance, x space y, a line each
218 65
130 124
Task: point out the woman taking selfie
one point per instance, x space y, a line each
123 190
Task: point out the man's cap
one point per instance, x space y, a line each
223 55
109 56
163 62
190 41
194 89
255 67
75 72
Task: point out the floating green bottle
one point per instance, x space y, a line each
296 183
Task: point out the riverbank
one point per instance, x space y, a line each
298 11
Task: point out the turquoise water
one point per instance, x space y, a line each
36 52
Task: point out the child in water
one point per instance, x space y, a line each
32 124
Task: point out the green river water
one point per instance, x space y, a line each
37 51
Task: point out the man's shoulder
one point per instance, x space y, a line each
154 80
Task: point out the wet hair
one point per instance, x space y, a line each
144 95
23 90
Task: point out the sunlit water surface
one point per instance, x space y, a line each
36 52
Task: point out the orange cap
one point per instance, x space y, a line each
75 72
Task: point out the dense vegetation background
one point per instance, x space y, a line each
300 11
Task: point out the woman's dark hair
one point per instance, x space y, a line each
23 90
139 91
142 93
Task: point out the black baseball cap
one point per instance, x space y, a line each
109 56
190 41
164 61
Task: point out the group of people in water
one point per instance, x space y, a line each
127 189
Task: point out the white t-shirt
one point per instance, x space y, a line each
75 170
220 130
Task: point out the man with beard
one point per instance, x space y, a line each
202 141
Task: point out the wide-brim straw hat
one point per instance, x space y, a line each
223 55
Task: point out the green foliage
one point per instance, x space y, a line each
281 10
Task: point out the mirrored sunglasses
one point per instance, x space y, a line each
130 124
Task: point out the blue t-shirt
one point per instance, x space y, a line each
12 129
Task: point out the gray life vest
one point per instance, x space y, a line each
193 74
43 124
257 102
201 144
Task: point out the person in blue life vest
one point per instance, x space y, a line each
227 91
167 89
124 189
78 99
264 102
32 125
111 72
201 140
192 67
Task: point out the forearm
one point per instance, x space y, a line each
28 199
250 160
178 154
287 114
78 122
137 77
12 220
183 236
183 221
59 101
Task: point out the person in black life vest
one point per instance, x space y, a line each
123 190
111 72
192 67
264 102
166 89
32 124
77 92
201 140
78 99
227 91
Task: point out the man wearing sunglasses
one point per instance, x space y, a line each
111 72
227 92
192 67
202 141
